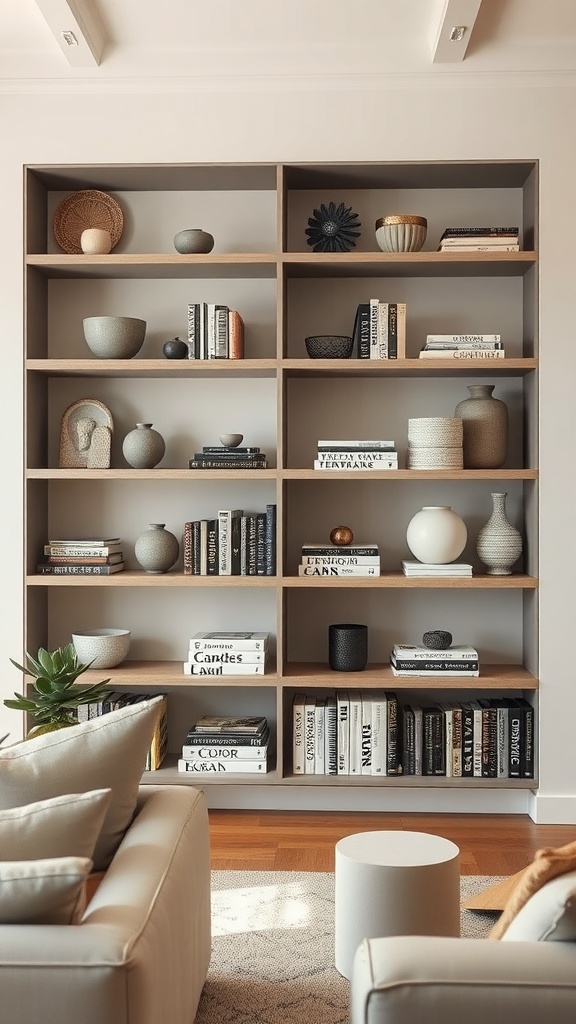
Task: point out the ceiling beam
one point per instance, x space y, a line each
77 30
452 30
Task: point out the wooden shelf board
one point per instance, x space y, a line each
155 265
408 367
318 674
140 674
408 782
394 579
409 474
154 368
133 578
408 264
88 475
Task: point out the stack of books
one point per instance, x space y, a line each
221 457
335 560
380 330
218 744
481 239
463 346
408 660
233 543
356 454
214 331
413 568
85 556
227 654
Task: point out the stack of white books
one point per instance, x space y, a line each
356 454
220 744
414 568
463 346
227 654
335 560
407 660
480 239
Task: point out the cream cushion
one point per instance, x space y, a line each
64 826
108 752
548 863
46 891
550 914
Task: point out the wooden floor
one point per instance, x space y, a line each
305 841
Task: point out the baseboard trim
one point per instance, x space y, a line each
552 810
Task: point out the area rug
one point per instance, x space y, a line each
273 948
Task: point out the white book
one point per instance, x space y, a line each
457 339
230 640
498 353
355 732
383 330
360 444
319 737
330 737
379 733
298 761
374 317
338 570
190 669
340 559
456 739
434 569
348 464
221 767
366 751
228 753
477 741
226 657
343 720
355 455
510 247
309 735
406 673
457 652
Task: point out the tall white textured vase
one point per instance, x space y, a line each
436 534
499 544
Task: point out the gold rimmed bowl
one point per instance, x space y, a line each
401 232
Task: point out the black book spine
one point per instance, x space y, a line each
408 741
393 762
196 547
235 546
489 739
361 332
251 539
212 556
270 540
261 544
527 750
188 549
434 754
515 718
392 330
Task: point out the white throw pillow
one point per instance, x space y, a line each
108 752
549 915
64 826
48 891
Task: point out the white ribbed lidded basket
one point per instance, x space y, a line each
435 432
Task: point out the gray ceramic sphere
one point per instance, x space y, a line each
193 240
437 639
157 549
114 337
143 447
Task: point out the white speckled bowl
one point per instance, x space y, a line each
105 648
114 337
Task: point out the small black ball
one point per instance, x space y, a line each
437 639
175 349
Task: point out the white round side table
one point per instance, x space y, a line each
394 883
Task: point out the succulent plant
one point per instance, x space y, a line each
55 694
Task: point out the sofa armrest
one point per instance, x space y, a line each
400 980
141 952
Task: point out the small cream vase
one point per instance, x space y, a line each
95 241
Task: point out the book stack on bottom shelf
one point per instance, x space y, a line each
417 660
371 732
227 654
220 745
116 699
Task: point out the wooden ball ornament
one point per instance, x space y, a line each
341 535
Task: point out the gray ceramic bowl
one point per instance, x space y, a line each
114 337
329 346
192 240
105 648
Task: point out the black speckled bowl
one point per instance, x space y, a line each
329 346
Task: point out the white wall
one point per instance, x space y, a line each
405 119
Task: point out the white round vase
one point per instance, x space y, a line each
436 534
95 241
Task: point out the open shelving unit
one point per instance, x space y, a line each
283 401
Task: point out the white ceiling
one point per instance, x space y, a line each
250 40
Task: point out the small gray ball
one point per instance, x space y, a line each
437 639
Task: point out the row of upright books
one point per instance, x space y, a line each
380 330
217 744
370 732
356 454
234 543
335 560
480 239
214 331
117 699
231 653
92 556
222 457
463 346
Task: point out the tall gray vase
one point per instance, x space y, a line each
484 428
499 544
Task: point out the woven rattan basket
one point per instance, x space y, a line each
88 208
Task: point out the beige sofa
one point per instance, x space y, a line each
141 952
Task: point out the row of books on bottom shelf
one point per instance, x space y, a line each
217 744
370 732
115 699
